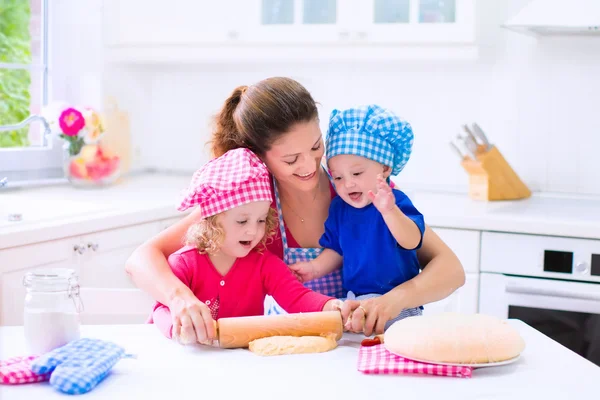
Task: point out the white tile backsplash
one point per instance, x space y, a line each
535 98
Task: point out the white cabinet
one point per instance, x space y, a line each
99 260
430 22
263 30
295 21
139 23
17 261
465 244
465 300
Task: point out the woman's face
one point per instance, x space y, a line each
295 158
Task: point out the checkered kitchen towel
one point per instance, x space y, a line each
378 360
79 366
17 370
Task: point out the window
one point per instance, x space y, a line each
25 154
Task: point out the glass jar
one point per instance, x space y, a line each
90 165
52 308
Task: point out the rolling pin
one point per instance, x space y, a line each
238 332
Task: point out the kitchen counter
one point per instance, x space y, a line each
62 211
164 369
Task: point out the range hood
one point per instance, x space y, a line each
557 17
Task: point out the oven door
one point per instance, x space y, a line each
566 311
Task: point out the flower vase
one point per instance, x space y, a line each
89 165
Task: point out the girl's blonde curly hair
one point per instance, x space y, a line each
208 235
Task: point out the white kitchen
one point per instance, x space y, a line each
500 97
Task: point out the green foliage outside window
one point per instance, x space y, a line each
15 47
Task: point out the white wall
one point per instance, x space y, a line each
534 98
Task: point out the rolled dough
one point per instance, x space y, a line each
278 345
454 338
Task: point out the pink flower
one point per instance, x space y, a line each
71 122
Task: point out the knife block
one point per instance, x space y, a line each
492 178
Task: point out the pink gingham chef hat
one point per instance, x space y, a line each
236 178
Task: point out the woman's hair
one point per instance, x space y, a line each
257 115
208 235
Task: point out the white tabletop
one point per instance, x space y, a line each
163 368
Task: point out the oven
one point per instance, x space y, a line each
550 283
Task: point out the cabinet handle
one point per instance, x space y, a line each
232 34
93 246
344 35
362 35
79 249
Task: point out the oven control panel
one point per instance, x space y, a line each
542 256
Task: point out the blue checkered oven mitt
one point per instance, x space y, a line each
79 366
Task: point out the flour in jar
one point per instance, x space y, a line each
45 331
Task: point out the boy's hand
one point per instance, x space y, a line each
384 199
305 271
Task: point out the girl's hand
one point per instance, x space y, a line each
384 199
372 314
192 321
305 271
333 305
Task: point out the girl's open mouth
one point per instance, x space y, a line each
246 243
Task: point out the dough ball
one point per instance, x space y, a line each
278 345
454 338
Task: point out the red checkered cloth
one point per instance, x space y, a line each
378 360
17 370
234 179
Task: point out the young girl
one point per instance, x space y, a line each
375 229
224 262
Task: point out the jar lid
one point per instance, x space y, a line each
50 280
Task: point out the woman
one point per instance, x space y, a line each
278 120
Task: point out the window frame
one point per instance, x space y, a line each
37 163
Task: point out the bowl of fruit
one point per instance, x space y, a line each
93 166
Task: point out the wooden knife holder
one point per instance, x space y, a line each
492 178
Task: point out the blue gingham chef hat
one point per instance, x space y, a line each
372 132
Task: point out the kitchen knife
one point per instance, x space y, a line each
470 153
482 136
470 134
457 150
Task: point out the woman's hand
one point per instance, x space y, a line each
192 320
371 315
384 199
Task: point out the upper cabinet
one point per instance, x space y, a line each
414 22
293 29
139 23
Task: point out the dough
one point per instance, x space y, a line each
454 338
277 345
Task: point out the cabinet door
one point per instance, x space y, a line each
464 243
103 264
416 21
464 300
108 294
115 306
15 262
294 21
157 22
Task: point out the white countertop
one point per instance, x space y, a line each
63 211
164 369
